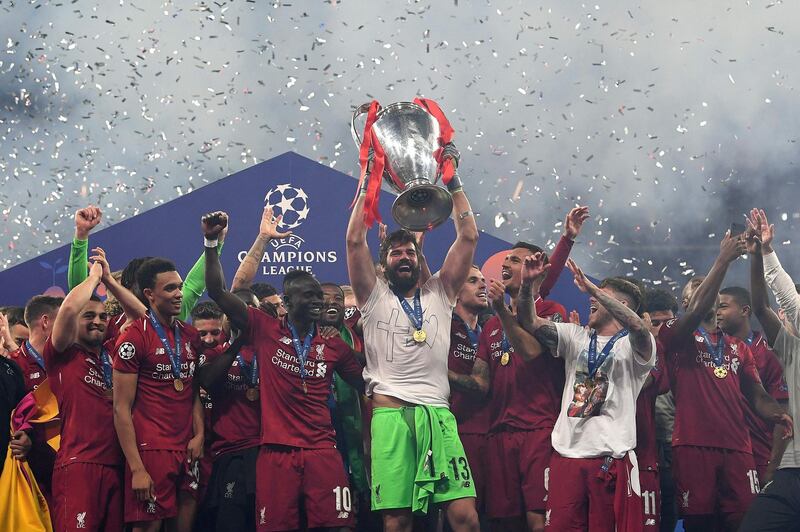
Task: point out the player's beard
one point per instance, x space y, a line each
402 284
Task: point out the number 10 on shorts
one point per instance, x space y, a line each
343 500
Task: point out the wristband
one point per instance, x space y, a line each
210 243
454 185
465 214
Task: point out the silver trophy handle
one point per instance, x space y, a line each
360 110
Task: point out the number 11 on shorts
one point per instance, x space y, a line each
343 500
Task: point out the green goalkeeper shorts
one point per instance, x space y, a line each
395 459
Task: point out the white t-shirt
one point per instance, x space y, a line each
598 416
787 349
397 365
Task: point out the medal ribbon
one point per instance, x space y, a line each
415 314
447 167
369 140
35 354
473 334
303 349
107 369
249 372
505 345
717 353
173 354
594 361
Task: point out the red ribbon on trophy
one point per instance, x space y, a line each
368 140
446 133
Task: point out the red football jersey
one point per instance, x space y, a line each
709 411
288 415
471 412
524 395
113 326
162 416
85 408
771 373
32 372
235 420
646 449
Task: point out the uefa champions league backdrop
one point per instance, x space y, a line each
314 200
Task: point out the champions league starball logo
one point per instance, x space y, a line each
289 201
290 253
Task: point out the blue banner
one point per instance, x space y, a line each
314 200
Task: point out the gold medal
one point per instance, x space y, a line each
505 358
420 336
251 394
720 372
178 384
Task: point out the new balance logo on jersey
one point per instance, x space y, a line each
322 368
229 490
284 340
343 515
81 520
735 365
262 516
650 522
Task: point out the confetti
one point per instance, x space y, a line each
627 110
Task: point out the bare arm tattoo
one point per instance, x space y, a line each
640 337
476 383
547 334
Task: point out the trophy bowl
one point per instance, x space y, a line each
409 137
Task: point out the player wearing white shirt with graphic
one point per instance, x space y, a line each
593 475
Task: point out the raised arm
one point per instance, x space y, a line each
212 225
131 305
706 294
639 334
534 270
778 280
458 261
267 230
524 343
360 267
758 291
572 228
195 283
86 219
65 327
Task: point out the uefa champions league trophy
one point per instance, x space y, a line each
409 136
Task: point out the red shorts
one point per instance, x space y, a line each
476 447
710 480
87 497
651 499
287 475
171 473
592 494
204 467
519 463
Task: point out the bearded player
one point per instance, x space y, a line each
298 465
406 341
158 415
